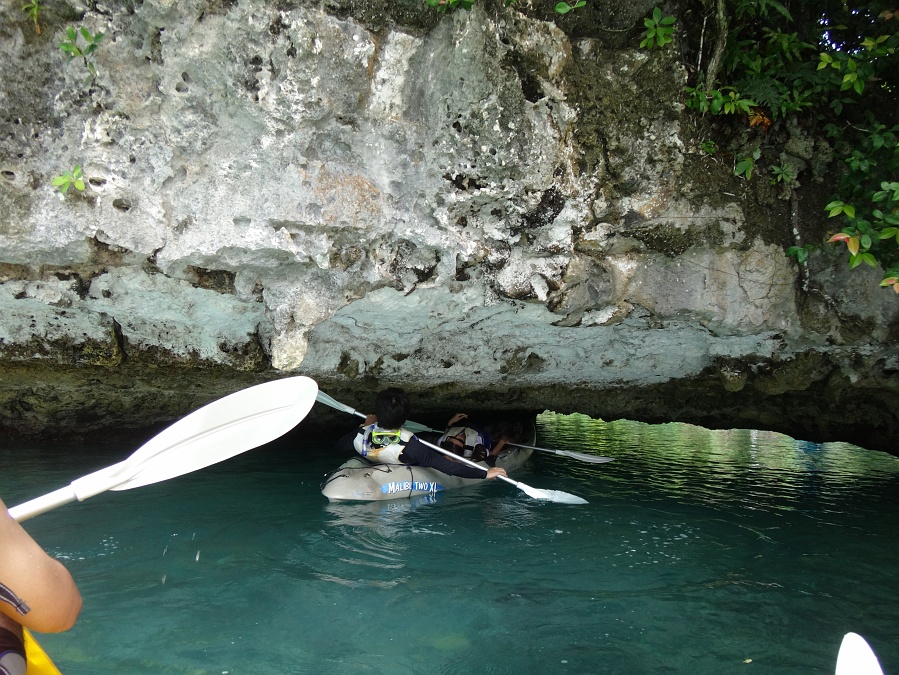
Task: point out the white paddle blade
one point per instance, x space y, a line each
856 657
560 497
556 496
218 431
547 495
229 426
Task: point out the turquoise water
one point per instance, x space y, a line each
699 552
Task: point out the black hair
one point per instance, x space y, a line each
392 408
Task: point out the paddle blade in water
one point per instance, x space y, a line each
562 497
547 495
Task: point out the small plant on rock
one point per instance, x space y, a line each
72 48
746 165
564 7
709 147
784 174
659 29
73 178
33 9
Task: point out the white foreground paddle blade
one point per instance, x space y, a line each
218 431
856 657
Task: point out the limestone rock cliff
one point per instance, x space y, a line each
496 209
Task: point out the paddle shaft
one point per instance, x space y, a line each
78 490
464 460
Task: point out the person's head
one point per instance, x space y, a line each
454 443
392 408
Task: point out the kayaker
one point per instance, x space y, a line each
380 438
471 442
36 592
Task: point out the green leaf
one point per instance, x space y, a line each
744 168
564 7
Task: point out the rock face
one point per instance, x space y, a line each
480 207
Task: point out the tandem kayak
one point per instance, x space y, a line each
358 479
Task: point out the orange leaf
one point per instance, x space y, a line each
840 236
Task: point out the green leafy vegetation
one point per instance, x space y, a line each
564 7
73 178
746 165
709 146
724 101
659 30
783 174
821 66
33 10
74 50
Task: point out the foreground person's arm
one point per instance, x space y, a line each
36 590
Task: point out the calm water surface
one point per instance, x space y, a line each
699 552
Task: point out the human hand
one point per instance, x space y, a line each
495 472
369 420
479 454
458 417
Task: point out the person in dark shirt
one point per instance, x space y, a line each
381 438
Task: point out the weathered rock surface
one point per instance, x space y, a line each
480 207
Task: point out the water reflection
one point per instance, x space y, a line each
739 469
